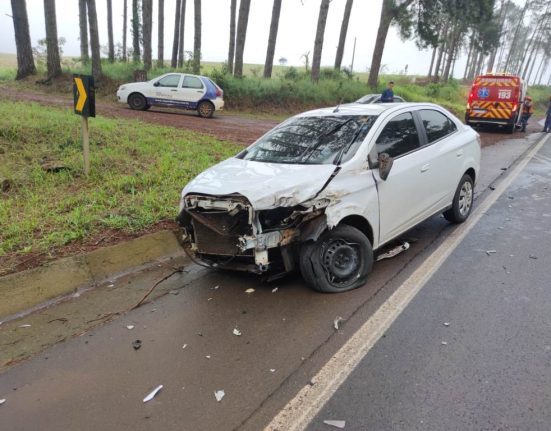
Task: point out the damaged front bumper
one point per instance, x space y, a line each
227 232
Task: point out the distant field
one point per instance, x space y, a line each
8 60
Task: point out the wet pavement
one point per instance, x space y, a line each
97 380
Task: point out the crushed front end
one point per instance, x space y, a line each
227 232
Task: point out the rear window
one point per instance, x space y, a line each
436 124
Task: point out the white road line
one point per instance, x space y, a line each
302 409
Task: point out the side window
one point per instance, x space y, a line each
399 136
169 81
437 125
192 82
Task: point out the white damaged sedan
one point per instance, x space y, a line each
327 188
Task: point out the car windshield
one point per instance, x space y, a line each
312 140
368 98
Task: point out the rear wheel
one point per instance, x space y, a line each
205 109
338 261
138 102
462 201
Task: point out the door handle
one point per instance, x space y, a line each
425 168
200 91
459 153
174 90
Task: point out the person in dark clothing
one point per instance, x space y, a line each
547 126
388 94
527 111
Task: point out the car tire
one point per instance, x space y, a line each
137 102
339 261
205 109
462 204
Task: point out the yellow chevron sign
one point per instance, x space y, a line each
82 96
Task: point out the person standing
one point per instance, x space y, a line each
547 126
388 95
527 111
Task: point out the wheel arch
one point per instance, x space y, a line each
360 223
471 173
135 92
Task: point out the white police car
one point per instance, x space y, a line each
174 90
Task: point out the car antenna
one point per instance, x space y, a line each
337 107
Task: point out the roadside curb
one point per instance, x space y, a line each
28 289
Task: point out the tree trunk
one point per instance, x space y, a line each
269 63
83 24
242 23
94 40
342 37
515 35
174 59
384 25
231 49
110 31
124 31
135 32
25 60
197 37
440 55
147 27
54 62
541 69
429 75
452 47
181 32
161 35
318 43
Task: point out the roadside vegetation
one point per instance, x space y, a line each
137 173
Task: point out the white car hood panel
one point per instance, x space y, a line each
265 185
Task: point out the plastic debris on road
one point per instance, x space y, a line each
208 356
137 344
184 346
533 256
153 393
489 252
250 290
275 289
336 424
236 332
336 322
444 343
272 370
446 323
25 326
2 401
394 251
130 327
216 287
219 395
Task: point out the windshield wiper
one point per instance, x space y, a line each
345 148
321 138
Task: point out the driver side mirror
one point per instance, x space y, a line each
156 84
385 163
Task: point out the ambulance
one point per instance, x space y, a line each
496 99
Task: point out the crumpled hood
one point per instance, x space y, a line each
265 185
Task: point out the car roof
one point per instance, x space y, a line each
366 109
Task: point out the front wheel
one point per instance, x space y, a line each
462 201
338 261
138 102
205 109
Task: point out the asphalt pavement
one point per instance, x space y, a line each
472 351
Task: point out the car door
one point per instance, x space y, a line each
442 136
191 91
165 90
405 194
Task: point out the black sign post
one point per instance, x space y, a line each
85 105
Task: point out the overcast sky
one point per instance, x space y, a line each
296 35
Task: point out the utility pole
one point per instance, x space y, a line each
353 54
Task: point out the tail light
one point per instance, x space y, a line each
470 100
219 93
514 107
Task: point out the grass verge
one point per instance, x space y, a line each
137 173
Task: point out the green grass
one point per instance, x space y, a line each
137 173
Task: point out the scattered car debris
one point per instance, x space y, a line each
236 332
175 292
489 252
207 356
137 344
2 401
184 346
533 256
59 319
444 343
336 322
130 327
446 323
219 395
275 289
250 290
216 287
394 251
152 394
25 326
272 370
209 299
336 424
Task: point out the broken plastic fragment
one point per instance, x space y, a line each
336 424
184 346
216 287
236 332
2 401
250 290
219 395
533 256
446 323
25 326
274 290
336 322
394 251
137 344
208 356
489 252
444 343
130 327
152 394
272 370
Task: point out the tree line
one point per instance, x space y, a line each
494 34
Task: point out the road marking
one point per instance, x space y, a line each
301 410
